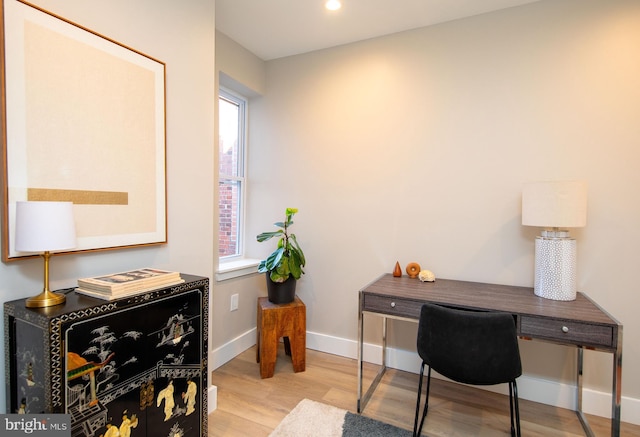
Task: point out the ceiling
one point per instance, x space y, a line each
277 28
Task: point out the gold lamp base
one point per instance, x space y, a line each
45 299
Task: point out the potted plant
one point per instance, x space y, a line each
284 266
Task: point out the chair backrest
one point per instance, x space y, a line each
472 347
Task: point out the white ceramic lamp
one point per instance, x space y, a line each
555 206
44 227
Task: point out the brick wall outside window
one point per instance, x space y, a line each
228 197
231 173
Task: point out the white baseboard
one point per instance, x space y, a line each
224 354
231 349
534 389
212 399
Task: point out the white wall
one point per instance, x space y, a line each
415 146
183 37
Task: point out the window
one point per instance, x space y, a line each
231 180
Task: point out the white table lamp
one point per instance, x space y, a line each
555 206
44 227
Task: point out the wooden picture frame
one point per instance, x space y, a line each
83 121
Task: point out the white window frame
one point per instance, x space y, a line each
232 266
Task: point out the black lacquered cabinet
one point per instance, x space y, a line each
137 362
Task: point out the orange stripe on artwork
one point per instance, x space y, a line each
79 197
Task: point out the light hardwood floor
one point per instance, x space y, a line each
250 406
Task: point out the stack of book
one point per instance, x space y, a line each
119 285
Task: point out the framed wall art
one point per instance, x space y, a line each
84 122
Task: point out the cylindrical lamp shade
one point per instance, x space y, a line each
44 226
554 204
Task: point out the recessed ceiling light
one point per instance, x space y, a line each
333 5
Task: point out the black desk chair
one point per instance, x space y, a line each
471 347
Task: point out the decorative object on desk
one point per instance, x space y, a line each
284 266
119 285
397 271
45 227
556 206
413 269
426 276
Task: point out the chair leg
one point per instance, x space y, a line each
517 408
514 407
415 420
426 401
513 428
417 430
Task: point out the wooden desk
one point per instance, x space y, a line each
580 323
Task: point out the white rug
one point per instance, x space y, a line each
314 419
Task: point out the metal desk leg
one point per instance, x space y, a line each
583 420
616 394
363 399
617 389
360 350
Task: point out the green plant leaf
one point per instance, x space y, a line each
294 265
268 235
262 267
295 244
273 260
283 267
277 277
281 272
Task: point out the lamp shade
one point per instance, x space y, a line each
554 204
44 226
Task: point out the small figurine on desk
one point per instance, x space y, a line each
426 276
397 271
413 269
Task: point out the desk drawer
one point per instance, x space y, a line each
391 306
567 332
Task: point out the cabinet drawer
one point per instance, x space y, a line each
567 331
391 306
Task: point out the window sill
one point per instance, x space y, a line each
236 269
